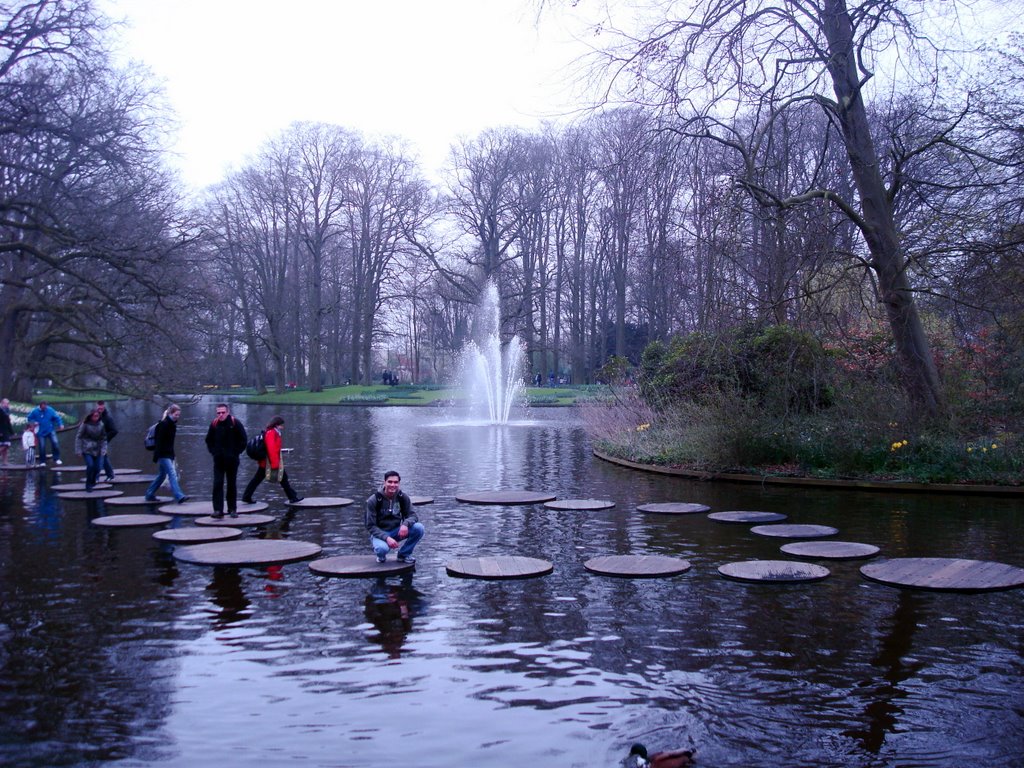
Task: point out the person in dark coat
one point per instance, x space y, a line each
225 440
163 455
111 429
392 522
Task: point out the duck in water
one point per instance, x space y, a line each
676 758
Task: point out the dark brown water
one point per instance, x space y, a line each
110 652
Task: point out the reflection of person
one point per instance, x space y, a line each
6 430
228 595
111 429
277 474
91 445
225 439
49 422
391 609
28 444
390 519
163 455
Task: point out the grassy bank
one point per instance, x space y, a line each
409 395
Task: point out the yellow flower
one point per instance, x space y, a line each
994 446
642 427
970 449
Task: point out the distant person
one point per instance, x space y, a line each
277 474
163 455
111 430
91 445
6 430
49 422
392 522
28 444
225 440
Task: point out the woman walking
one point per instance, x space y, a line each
91 445
272 439
163 455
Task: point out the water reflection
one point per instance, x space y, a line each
391 608
227 594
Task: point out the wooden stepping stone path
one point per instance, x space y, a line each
137 501
80 486
831 550
500 567
198 508
107 494
68 468
504 497
420 500
794 531
317 502
248 552
637 566
945 574
125 479
673 508
580 505
742 516
355 566
242 521
130 521
197 535
127 471
19 467
773 571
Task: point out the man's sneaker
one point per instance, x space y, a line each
150 498
232 513
183 499
406 559
296 500
217 515
382 558
247 501
110 479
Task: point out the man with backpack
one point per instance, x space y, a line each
225 440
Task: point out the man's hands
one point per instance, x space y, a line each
403 532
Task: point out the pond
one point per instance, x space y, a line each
113 652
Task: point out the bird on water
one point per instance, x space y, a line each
676 758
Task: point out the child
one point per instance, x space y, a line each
28 442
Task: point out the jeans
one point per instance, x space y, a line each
259 477
225 467
52 437
92 469
416 531
107 467
165 469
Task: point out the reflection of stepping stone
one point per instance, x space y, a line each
777 571
637 566
945 573
130 521
108 494
418 500
242 521
197 535
137 501
206 508
504 497
318 502
746 517
830 550
580 505
502 567
673 508
80 486
357 565
248 552
794 531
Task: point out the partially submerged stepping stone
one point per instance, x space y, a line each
674 508
744 516
80 486
774 571
197 534
945 574
354 566
206 508
637 566
794 531
831 550
130 521
137 501
242 521
251 552
418 500
318 502
500 567
504 497
580 505
107 494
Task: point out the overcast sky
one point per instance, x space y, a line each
239 71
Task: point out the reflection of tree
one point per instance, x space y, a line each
881 712
391 609
227 593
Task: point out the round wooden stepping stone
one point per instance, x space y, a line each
743 516
794 531
580 505
125 479
108 494
126 471
777 571
354 566
130 521
80 486
945 574
248 552
68 468
637 566
831 550
198 508
504 497
673 508
19 467
318 502
137 501
419 500
501 567
197 535
242 521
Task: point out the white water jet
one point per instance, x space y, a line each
492 375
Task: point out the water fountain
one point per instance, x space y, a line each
492 375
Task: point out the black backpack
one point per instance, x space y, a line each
256 448
150 442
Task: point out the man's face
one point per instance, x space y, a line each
100 409
222 413
391 486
